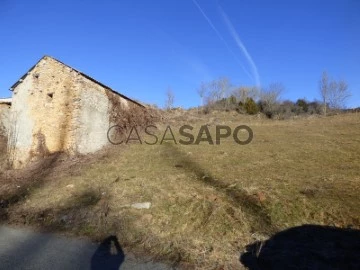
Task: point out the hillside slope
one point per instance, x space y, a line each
208 202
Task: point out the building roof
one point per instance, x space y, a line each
5 101
79 72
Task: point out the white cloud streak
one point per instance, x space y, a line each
222 39
241 46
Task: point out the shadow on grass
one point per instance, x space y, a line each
77 214
306 247
27 180
76 209
261 221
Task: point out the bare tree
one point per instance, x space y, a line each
270 98
214 90
211 93
324 90
218 90
169 103
223 86
202 92
272 94
339 95
334 94
243 93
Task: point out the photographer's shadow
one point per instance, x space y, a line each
306 247
109 255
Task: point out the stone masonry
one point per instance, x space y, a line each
56 108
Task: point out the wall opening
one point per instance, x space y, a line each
49 97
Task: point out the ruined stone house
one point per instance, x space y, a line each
56 108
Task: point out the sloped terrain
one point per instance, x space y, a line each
208 202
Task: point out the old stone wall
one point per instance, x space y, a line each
4 119
93 118
42 112
57 109
100 109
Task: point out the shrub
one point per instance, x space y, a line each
302 104
250 106
315 107
287 109
232 100
270 110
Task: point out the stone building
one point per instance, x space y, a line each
5 104
56 108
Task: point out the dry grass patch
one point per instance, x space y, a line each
209 201
3 156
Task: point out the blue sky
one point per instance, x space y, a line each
140 48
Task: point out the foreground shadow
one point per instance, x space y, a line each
27 179
306 247
260 218
109 255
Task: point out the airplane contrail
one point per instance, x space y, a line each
221 38
241 46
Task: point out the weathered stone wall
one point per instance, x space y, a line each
93 120
42 113
101 109
4 119
57 109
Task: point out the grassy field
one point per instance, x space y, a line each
207 201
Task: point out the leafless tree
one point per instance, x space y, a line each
270 97
273 93
324 90
339 96
243 93
218 90
223 84
202 92
333 94
169 102
214 91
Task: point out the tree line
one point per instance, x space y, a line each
220 94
